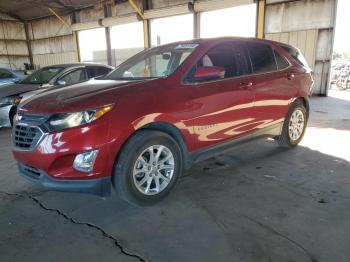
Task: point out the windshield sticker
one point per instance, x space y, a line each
186 46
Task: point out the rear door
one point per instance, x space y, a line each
223 108
273 89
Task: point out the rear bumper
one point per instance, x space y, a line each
99 186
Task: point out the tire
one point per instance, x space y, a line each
341 84
348 83
290 139
134 165
12 114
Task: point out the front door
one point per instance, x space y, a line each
223 108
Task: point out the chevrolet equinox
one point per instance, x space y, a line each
160 111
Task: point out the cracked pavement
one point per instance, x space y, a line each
256 202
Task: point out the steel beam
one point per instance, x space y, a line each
74 34
29 44
260 20
146 41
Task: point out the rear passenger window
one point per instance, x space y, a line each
242 60
262 58
281 61
96 71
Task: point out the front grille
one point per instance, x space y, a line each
26 137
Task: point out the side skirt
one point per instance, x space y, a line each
203 154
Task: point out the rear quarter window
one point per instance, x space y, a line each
262 58
296 54
282 63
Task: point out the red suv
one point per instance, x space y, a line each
160 111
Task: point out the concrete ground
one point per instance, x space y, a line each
256 203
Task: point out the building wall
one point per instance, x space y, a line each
51 41
13 45
166 3
308 25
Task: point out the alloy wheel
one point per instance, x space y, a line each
296 125
153 169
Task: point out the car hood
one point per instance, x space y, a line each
78 97
29 94
15 89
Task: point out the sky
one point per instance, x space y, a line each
342 30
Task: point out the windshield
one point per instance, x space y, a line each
42 76
153 63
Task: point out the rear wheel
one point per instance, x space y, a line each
294 125
147 168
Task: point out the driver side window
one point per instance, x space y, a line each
73 77
229 57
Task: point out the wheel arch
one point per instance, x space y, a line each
164 127
175 133
306 103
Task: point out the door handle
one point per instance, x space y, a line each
245 85
290 76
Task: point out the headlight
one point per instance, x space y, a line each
10 100
68 120
6 101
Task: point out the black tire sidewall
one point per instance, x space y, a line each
123 173
12 114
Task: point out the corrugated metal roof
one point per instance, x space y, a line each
33 9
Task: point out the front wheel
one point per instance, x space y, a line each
294 125
147 168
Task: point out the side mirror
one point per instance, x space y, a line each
61 82
166 56
208 73
45 85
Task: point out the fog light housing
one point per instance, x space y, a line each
84 162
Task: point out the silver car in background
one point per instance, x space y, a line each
43 79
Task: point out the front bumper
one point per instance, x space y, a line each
52 156
99 186
54 153
4 116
